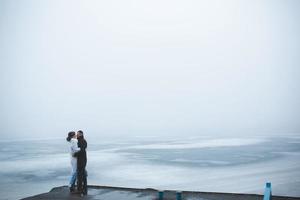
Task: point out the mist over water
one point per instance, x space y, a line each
149 67
199 163
145 80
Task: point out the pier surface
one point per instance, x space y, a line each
118 193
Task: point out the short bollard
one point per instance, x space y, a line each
268 192
178 195
160 195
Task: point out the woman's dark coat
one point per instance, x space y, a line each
81 164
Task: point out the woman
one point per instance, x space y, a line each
81 164
72 139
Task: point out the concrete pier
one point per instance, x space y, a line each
120 193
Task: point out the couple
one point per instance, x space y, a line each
78 147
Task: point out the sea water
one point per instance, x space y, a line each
234 164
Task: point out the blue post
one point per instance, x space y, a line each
160 195
268 192
178 195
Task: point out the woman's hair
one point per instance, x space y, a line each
70 135
80 134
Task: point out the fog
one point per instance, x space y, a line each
149 68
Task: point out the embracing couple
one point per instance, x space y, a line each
78 147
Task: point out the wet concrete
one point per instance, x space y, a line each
118 193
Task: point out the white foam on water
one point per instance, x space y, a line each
202 144
249 178
216 162
40 163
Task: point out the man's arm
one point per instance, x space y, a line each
74 147
82 145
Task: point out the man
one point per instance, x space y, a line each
81 164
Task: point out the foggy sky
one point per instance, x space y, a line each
159 67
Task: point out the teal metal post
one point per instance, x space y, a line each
160 195
178 195
268 192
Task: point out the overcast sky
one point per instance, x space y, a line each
159 67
